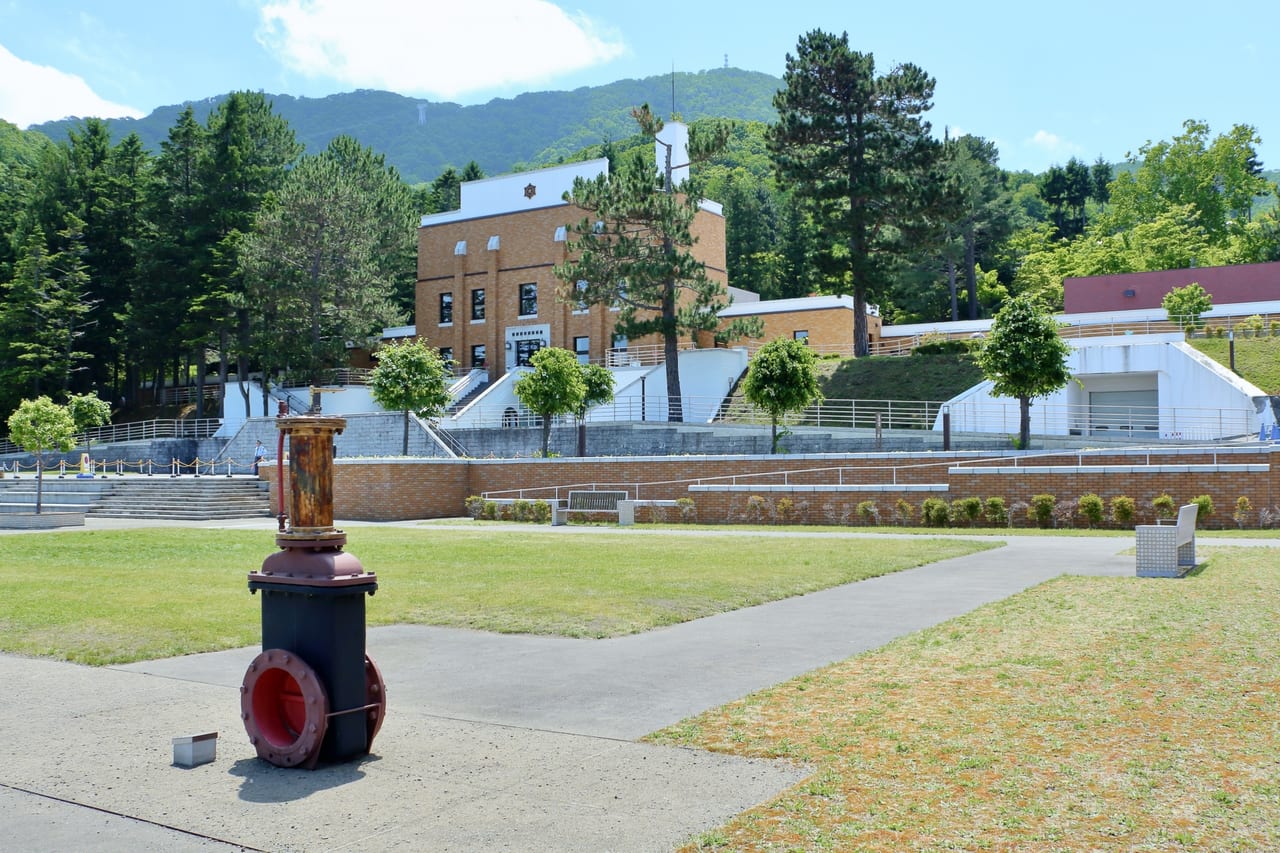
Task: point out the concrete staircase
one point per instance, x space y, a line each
18 494
183 499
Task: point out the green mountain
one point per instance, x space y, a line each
421 138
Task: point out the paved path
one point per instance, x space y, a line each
492 742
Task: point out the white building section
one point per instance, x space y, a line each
1136 386
519 191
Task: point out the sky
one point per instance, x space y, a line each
1045 82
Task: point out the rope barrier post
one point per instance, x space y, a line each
173 468
228 467
62 469
196 466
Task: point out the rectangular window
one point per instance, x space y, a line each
446 309
529 300
446 355
477 304
477 355
581 306
801 335
582 348
525 350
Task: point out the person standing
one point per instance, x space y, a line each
259 453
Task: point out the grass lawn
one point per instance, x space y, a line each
102 597
1084 714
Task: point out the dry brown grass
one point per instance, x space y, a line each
1085 714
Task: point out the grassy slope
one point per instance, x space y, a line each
915 377
1257 359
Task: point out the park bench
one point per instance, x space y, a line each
594 501
1168 550
627 509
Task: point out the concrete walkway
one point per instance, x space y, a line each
492 742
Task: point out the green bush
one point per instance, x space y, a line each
967 509
759 509
490 511
1123 510
1243 512
688 511
1204 507
520 510
475 506
935 512
1091 508
869 512
904 511
786 510
995 512
541 512
943 347
1041 509
1164 506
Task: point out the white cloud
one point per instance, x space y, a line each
30 94
1053 145
438 49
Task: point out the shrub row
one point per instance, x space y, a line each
1044 510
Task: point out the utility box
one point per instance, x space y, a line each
313 693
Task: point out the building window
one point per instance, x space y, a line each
528 300
801 335
446 355
477 355
582 348
581 306
525 350
446 309
620 342
477 304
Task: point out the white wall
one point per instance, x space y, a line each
1198 398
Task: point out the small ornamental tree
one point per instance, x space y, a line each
554 387
410 377
599 390
781 380
1184 305
87 412
39 425
1024 357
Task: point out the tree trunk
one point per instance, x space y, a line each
39 481
404 451
671 355
1024 423
582 438
774 436
970 274
951 286
546 436
861 346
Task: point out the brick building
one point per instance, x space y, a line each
487 295
825 322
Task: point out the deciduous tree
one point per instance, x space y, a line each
39 425
410 377
1184 305
1025 357
781 379
554 386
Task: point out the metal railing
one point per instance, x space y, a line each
138 431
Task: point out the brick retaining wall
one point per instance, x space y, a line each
403 489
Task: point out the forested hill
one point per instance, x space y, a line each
421 138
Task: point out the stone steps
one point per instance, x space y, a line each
184 499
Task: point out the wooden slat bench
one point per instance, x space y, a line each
594 501
1168 550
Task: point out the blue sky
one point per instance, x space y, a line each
1044 81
